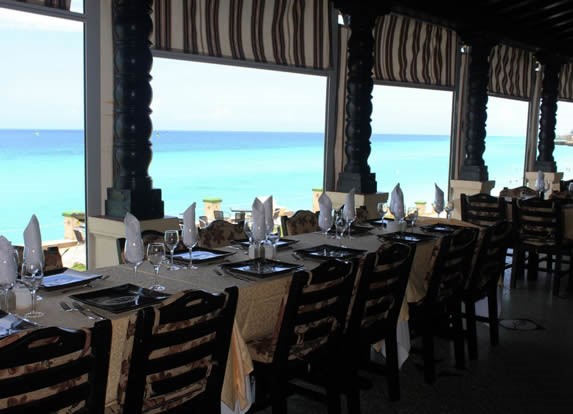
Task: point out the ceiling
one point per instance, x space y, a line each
536 25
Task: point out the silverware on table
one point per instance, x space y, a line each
66 307
88 313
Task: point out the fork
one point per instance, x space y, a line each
66 307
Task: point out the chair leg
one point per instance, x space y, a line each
471 329
459 340
393 374
517 269
492 315
557 275
353 391
428 352
278 395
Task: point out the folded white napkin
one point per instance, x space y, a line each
397 202
8 264
439 198
540 181
33 241
325 216
349 211
269 222
190 236
259 222
133 242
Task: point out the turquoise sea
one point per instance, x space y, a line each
43 170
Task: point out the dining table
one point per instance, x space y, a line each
259 302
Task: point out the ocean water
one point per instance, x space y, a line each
43 170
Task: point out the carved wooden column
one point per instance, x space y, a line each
548 109
132 189
473 168
356 173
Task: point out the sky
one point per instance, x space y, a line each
42 88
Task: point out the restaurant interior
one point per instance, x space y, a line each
358 306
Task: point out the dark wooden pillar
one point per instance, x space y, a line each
473 168
356 173
548 109
132 189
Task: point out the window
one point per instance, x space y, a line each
563 153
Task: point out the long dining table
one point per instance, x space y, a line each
258 305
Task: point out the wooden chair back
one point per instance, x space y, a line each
48 370
220 233
52 258
302 221
179 354
483 209
518 192
538 221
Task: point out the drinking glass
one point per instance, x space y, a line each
325 223
412 215
382 209
171 239
8 280
438 208
32 275
341 225
192 242
156 256
449 210
136 250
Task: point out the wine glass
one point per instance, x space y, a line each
350 217
171 239
382 209
438 208
412 215
191 242
8 278
32 275
133 253
325 223
449 210
570 188
156 256
341 225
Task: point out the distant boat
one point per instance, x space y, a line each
566 139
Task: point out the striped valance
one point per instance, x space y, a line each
566 82
56 4
411 51
285 32
511 72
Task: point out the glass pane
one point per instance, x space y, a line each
235 133
41 129
411 141
505 142
563 153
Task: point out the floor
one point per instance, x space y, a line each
529 372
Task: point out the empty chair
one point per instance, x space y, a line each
381 284
48 370
443 298
483 282
179 354
483 209
519 192
203 221
302 221
309 333
218 215
539 231
52 258
220 233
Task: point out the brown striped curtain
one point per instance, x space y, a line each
56 4
511 72
284 32
566 82
411 51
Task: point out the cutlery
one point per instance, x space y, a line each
235 275
296 256
88 313
65 306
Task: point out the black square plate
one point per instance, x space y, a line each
280 243
404 236
261 268
63 278
440 228
121 298
201 255
328 251
12 323
355 229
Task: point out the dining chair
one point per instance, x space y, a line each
483 209
52 258
539 230
518 192
375 306
220 233
178 355
52 369
441 306
218 215
482 283
308 334
302 221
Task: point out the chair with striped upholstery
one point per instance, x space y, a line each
302 221
220 233
482 209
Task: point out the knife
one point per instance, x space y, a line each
87 312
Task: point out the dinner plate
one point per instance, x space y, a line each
261 268
328 251
121 298
404 236
440 228
280 243
63 278
201 255
12 323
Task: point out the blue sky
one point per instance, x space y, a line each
42 87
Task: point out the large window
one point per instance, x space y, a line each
563 153
411 141
504 155
235 133
41 128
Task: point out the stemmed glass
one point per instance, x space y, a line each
350 217
341 225
570 187
438 208
325 223
8 280
382 209
133 254
171 239
156 256
191 242
449 210
32 275
412 215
